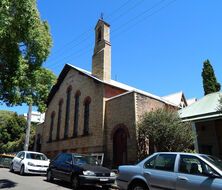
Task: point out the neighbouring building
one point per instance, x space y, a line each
36 117
88 112
179 99
206 121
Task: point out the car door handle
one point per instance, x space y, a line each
182 178
148 173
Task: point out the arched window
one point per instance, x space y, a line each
99 34
59 119
68 97
51 126
76 114
86 115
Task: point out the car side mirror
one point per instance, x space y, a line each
213 175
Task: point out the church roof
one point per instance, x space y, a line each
101 20
205 108
114 83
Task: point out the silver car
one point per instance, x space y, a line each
172 171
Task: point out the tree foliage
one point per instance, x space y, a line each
220 105
164 130
210 83
12 132
25 44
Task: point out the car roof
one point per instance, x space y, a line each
32 152
185 153
75 154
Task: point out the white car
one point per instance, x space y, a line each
27 162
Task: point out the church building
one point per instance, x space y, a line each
89 113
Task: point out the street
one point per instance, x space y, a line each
13 181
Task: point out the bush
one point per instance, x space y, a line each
163 130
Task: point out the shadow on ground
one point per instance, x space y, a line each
67 185
5 183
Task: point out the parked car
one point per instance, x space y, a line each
80 170
178 171
5 160
28 162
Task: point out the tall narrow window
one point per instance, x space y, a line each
86 115
76 114
59 119
51 126
68 96
99 37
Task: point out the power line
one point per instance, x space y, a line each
62 49
144 18
127 23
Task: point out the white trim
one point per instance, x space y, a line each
123 86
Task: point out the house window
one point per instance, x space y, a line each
68 97
51 126
86 115
76 114
59 119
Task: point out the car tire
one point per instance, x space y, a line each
138 186
11 168
22 170
75 182
49 176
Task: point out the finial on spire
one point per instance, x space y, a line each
101 16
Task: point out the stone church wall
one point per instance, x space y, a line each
146 104
81 144
120 111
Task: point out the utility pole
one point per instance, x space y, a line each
27 133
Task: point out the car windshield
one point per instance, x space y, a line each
86 160
35 156
213 160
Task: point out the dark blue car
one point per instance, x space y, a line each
80 170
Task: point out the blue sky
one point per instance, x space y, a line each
157 45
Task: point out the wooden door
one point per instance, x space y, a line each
119 147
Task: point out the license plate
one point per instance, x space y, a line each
103 179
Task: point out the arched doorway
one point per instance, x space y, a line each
119 147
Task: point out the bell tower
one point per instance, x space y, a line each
101 60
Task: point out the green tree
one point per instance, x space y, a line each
12 132
165 130
25 44
24 39
220 105
35 89
210 83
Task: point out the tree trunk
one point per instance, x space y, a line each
27 134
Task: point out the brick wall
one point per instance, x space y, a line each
120 111
94 141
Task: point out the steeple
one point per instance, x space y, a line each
101 60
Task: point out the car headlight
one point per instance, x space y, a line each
89 173
31 164
112 174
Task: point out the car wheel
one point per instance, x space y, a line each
49 176
22 170
75 183
138 186
11 168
